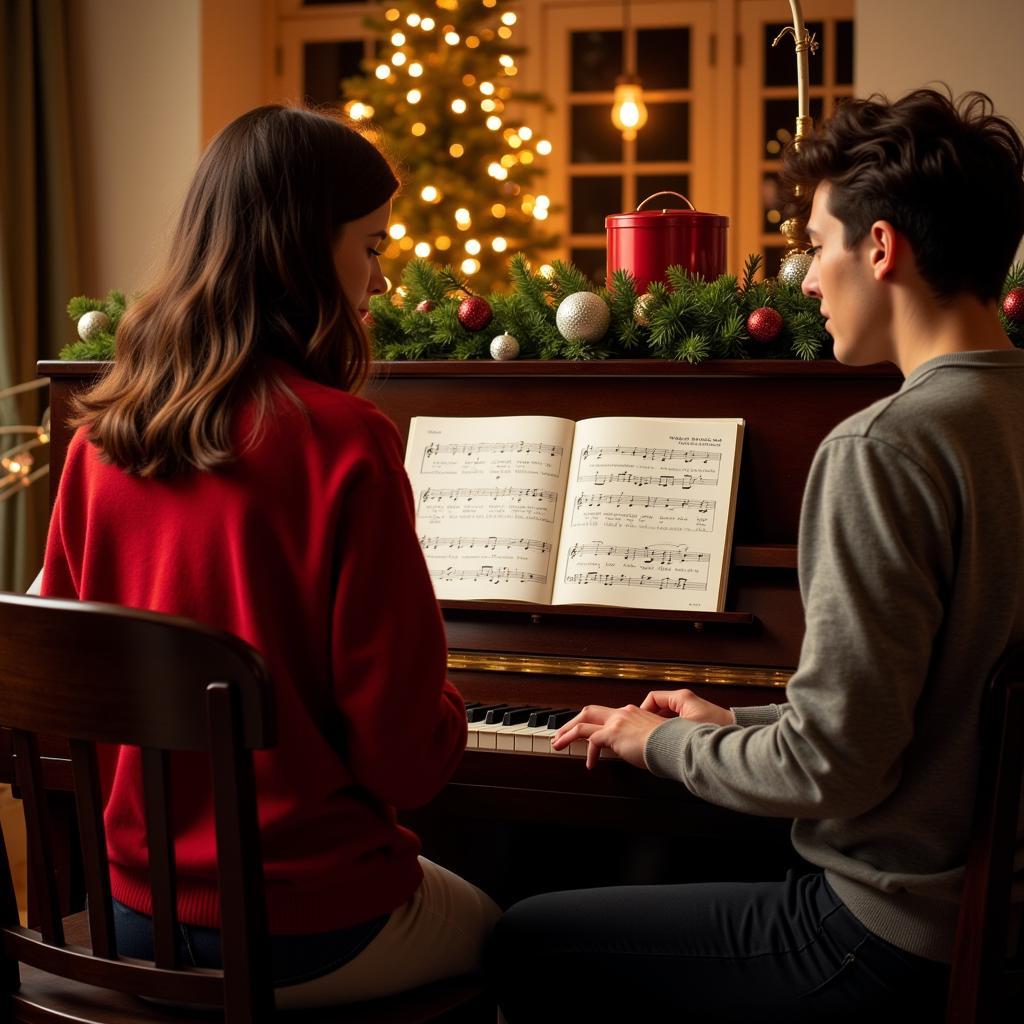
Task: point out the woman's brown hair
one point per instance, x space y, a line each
250 274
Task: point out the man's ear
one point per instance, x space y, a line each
885 248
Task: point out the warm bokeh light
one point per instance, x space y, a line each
442 243
498 210
469 80
430 194
487 88
412 20
456 149
505 32
405 244
422 250
544 147
526 133
459 106
546 271
473 246
397 231
470 266
499 244
418 129
472 42
392 14
414 95
526 157
398 39
398 59
493 122
427 24
415 69
508 18
382 71
488 105
505 61
462 217
540 213
452 38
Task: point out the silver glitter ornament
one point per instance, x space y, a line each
794 268
90 324
583 316
504 346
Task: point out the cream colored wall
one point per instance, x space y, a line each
905 44
135 84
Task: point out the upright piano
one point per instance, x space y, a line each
518 823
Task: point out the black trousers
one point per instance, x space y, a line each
784 952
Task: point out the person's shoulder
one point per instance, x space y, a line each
334 414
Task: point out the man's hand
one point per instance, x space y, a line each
686 704
624 730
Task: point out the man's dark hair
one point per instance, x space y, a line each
948 175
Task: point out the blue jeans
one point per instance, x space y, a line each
294 958
718 952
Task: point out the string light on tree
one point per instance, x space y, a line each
441 92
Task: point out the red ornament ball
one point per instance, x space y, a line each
425 306
1013 306
764 324
475 313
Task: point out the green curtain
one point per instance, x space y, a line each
38 244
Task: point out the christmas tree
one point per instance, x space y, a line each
441 99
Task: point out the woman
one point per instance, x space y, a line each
224 471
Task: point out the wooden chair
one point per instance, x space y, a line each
985 985
97 673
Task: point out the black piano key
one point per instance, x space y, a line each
559 718
521 715
539 719
495 715
480 712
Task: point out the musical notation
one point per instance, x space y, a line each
485 543
684 481
489 574
701 505
609 579
647 555
494 448
701 455
514 495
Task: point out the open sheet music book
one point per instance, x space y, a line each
627 511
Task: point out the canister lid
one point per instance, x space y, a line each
647 218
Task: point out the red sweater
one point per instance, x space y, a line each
305 547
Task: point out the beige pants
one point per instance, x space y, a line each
438 933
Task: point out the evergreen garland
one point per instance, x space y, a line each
689 319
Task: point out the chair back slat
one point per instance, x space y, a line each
100 650
248 991
156 789
39 837
89 799
9 918
977 981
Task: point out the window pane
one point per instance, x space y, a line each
780 123
666 136
773 258
780 61
324 65
595 140
596 61
771 204
844 53
663 57
648 184
593 199
593 263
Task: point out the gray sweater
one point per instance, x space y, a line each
912 576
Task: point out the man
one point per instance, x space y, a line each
912 574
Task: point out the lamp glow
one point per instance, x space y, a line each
629 112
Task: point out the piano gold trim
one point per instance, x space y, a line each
647 671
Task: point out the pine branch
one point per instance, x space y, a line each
751 265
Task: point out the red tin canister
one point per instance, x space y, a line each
647 242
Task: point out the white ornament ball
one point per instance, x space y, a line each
90 324
583 316
794 268
642 309
504 346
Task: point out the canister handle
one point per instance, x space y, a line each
676 194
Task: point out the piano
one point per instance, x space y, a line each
517 821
